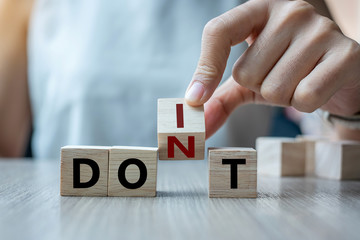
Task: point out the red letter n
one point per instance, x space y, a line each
189 152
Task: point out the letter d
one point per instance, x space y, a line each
76 168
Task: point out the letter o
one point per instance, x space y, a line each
122 170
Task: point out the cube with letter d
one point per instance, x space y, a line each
84 171
181 130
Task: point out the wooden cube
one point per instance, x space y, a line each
310 142
338 160
132 171
232 172
84 171
281 156
181 130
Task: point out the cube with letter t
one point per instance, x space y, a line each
181 130
232 172
84 171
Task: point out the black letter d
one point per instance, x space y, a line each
95 169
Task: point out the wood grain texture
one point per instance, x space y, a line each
337 160
97 153
310 152
146 155
280 156
194 125
220 174
286 208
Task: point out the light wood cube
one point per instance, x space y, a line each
281 156
84 171
232 172
310 142
181 130
132 171
337 160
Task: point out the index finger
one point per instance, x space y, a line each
220 33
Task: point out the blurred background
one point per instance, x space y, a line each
90 73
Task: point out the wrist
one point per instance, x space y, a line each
343 133
350 122
346 127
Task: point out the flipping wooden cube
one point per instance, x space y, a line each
232 172
337 160
84 171
281 156
181 130
132 172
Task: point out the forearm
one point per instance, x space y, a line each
14 107
14 99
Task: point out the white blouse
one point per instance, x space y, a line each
97 68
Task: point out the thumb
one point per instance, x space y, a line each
224 101
219 34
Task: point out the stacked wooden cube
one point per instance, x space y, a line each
132 171
310 156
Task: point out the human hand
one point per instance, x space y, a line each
295 57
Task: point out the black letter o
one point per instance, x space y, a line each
143 173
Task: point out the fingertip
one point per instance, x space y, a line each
195 93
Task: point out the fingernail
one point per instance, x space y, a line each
195 93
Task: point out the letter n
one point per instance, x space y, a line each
189 151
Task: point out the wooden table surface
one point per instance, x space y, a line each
287 208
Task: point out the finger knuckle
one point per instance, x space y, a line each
215 27
208 71
351 53
323 30
298 9
274 93
306 100
244 77
354 48
327 24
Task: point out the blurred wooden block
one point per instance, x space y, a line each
132 172
232 172
84 171
310 152
337 160
281 156
181 130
